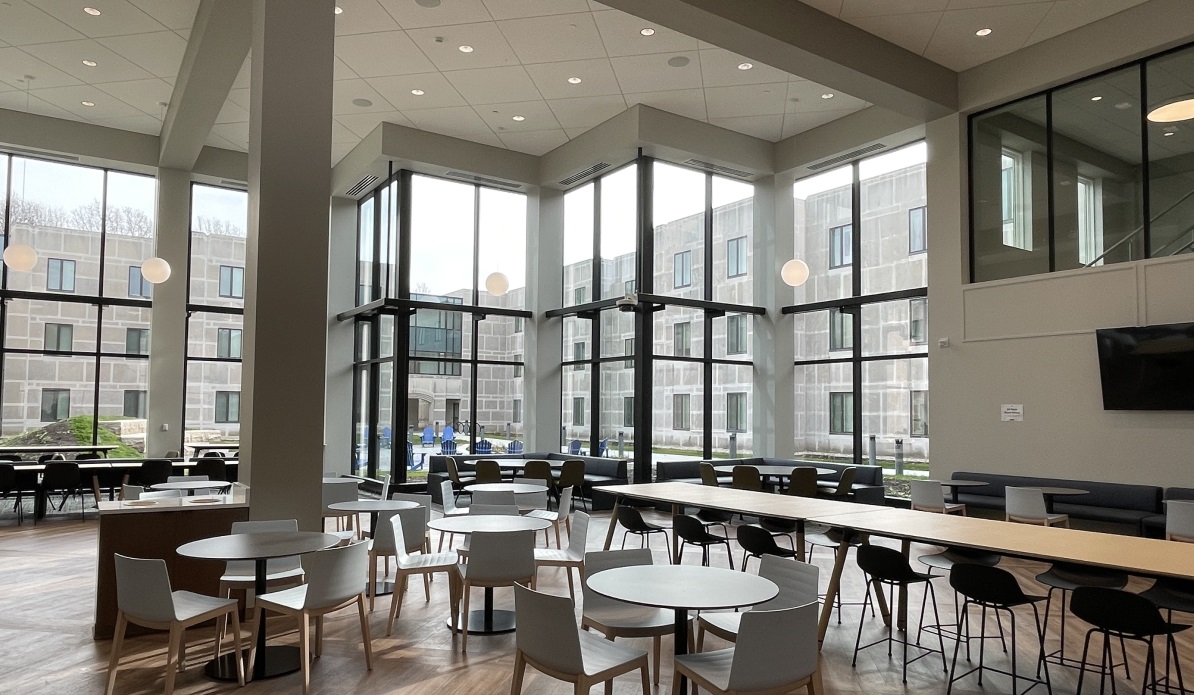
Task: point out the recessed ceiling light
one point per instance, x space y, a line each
1123 105
90 63
339 10
417 92
1168 134
1179 110
363 103
1096 98
677 61
466 49
647 31
88 104
827 95
92 11
745 66
427 3
574 80
983 32
518 118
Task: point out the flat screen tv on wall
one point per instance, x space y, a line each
1147 368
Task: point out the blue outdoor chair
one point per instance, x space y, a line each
515 447
386 433
484 447
449 435
410 458
574 447
447 448
428 436
603 447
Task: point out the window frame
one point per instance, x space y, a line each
64 277
682 272
923 213
682 404
841 408
228 398
142 335
57 394
922 320
236 276
682 339
57 329
841 246
628 411
140 404
923 430
736 257
578 411
738 413
224 343
841 330
138 285
737 341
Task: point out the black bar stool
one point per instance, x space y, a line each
945 562
841 540
1171 594
1128 616
1065 577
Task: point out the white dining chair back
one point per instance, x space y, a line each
335 575
385 541
774 648
1179 520
928 495
547 631
340 490
493 509
449 498
565 505
422 500
143 589
136 492
385 490
578 537
1025 503
504 556
494 497
414 528
601 560
393 526
797 582
187 478
532 500
247 568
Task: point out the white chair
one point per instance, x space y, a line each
450 509
425 564
493 510
929 496
547 639
531 501
340 490
333 582
572 556
554 516
384 543
1026 505
187 478
240 574
136 492
144 597
424 501
797 582
1179 520
493 497
504 558
776 652
613 618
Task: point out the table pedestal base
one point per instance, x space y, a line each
477 623
279 661
380 588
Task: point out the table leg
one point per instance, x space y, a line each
613 523
268 662
953 495
675 538
800 540
835 578
680 645
486 621
383 587
902 609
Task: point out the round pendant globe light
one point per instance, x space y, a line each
20 257
794 272
1173 111
155 270
497 283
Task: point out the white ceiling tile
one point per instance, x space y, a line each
494 85
410 15
1067 15
341 150
963 61
719 68
620 32
341 71
342 134
15 64
586 112
767 128
160 52
597 78
241 97
22 23
537 115
575 132
554 38
689 103
344 92
1011 27
456 121
72 98
19 101
651 73
137 124
362 17
437 91
362 124
442 46
144 95
831 7
515 9
869 8
119 17
383 53
173 14
806 97
236 133
746 100
534 142
911 31
795 123
68 56
232 112
214 140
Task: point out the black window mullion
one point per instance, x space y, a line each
401 371
856 312
1049 181
707 353
643 321
1144 170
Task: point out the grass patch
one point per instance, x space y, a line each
73 432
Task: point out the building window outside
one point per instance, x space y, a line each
516 410
136 341
580 295
841 330
578 354
919 426
578 411
1090 221
55 404
629 352
735 412
683 339
628 411
134 404
227 406
736 257
682 269
60 275
736 334
232 281
228 343
518 324
138 285
841 412
60 337
918 231
518 367
841 246
918 321
680 411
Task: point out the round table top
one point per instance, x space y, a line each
780 471
963 483
328 479
683 586
487 523
1057 491
258 546
373 505
516 488
191 485
521 463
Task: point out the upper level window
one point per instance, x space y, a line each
134 404
228 343
918 232
136 341
578 411
59 337
736 412
841 412
680 411
841 246
736 257
735 334
60 275
518 324
918 321
682 269
683 339
628 350
138 285
578 353
580 295
841 330
227 406
55 404
919 414
232 281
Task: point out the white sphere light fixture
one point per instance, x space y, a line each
497 283
155 270
794 272
20 257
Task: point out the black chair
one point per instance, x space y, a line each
488 471
633 522
840 540
843 489
945 562
1128 616
890 567
802 483
572 474
1065 578
459 481
8 485
757 542
1171 594
63 477
988 586
213 467
11 458
153 472
691 531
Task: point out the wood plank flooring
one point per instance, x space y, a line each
47 584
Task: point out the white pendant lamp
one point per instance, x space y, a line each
155 270
1173 111
794 272
497 283
20 257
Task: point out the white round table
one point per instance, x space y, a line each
516 488
374 508
190 486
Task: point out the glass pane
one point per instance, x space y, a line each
679 217
385 334
1170 167
124 395
439 393
215 335
679 332
503 239
438 334
733 241
617 410
732 337
125 331
360 426
617 334
213 397
1098 186
812 336
578 245
887 399
892 187
385 421
387 200
823 234
732 387
500 409
578 340
1009 191
130 228
219 217
35 324
619 212
824 412
365 243
497 339
441 243
678 414
891 328
40 390
4 190
576 409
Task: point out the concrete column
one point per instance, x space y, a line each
168 317
286 283
542 341
341 339
772 410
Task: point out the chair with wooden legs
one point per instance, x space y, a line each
572 556
929 496
797 582
144 597
450 509
555 516
333 582
843 488
802 483
503 558
239 575
488 471
572 475
340 490
1026 505
547 638
538 470
747 478
425 564
458 481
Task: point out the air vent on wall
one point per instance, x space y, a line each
46 155
482 180
584 173
717 168
847 156
362 185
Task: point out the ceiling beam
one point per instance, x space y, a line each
808 43
216 50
